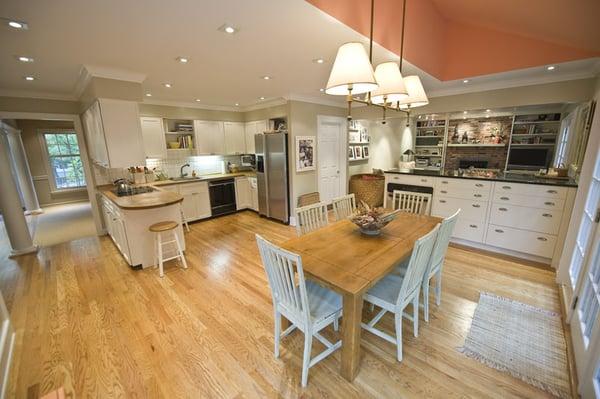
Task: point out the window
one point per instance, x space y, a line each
64 160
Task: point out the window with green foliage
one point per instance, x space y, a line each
65 162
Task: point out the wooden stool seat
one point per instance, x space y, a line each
163 226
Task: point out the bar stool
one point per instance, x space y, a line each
159 229
184 220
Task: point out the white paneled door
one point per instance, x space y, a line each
331 157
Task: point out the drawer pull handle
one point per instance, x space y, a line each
504 198
547 215
552 192
443 201
542 239
506 187
477 195
499 231
473 226
423 180
444 181
549 203
479 185
444 192
503 209
476 206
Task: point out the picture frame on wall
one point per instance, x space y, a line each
351 153
358 152
365 151
305 153
354 137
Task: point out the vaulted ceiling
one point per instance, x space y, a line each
458 39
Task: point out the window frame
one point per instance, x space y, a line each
47 160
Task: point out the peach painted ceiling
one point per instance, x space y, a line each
457 39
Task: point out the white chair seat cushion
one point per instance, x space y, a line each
387 289
322 301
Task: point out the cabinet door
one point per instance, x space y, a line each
190 210
88 126
98 140
153 138
122 133
250 131
243 197
209 137
235 140
202 200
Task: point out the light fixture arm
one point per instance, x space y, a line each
402 38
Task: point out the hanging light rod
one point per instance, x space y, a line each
352 74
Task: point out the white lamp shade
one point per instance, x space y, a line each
351 69
391 84
416 93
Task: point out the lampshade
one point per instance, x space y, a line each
416 93
351 68
391 84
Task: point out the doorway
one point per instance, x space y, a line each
331 157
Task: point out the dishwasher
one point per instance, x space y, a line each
222 196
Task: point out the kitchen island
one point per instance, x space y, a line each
519 215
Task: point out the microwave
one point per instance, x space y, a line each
248 160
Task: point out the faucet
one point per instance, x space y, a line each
181 174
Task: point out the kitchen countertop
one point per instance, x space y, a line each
505 177
202 178
154 199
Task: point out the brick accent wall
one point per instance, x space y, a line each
496 156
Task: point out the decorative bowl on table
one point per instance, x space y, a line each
370 221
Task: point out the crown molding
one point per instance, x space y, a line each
265 104
317 100
185 104
42 95
87 72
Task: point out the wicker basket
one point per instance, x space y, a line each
368 188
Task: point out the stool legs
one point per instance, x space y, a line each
159 254
183 220
179 251
161 272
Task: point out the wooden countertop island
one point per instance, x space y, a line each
149 200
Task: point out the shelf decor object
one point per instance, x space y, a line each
352 73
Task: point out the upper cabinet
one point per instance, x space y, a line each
235 140
114 134
153 136
210 137
251 129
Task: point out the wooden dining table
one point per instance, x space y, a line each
339 257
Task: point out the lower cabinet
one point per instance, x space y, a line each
115 227
243 194
254 193
196 200
521 240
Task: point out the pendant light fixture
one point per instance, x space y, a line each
352 73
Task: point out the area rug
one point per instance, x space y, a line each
522 340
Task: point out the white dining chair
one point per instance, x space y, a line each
310 218
412 202
343 206
394 292
308 306
436 263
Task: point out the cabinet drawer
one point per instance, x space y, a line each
411 179
469 230
528 200
193 188
528 242
540 220
463 184
471 210
530 189
465 193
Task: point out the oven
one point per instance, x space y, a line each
222 196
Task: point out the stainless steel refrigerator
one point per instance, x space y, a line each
272 175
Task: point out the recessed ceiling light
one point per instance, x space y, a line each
198 100
319 60
262 98
148 95
237 104
17 24
464 112
266 77
487 116
466 81
23 58
550 68
464 117
227 28
487 110
419 117
29 78
321 90
167 85
183 60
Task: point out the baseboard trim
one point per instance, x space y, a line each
512 255
19 252
571 366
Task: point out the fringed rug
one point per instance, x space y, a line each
522 340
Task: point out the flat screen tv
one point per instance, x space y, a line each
529 158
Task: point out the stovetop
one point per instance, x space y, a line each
126 190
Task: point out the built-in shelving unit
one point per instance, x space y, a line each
429 142
537 132
358 141
180 131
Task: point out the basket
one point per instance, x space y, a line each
368 188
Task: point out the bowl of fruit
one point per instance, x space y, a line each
370 221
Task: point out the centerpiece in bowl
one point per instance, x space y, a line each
370 221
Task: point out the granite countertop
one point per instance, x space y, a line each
154 199
505 177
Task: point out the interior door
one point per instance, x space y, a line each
331 170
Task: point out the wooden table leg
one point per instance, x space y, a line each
351 320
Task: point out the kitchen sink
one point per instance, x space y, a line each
185 178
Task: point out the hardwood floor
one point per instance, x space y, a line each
85 320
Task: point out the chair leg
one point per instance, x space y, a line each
438 288
371 307
416 316
398 323
426 300
277 332
161 272
336 323
181 256
306 358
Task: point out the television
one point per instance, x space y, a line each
529 158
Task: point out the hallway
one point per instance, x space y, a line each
62 223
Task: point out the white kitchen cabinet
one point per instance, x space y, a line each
532 219
235 139
243 193
251 129
254 192
153 137
196 200
114 136
530 242
209 137
116 229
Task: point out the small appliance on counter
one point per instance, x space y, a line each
248 160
